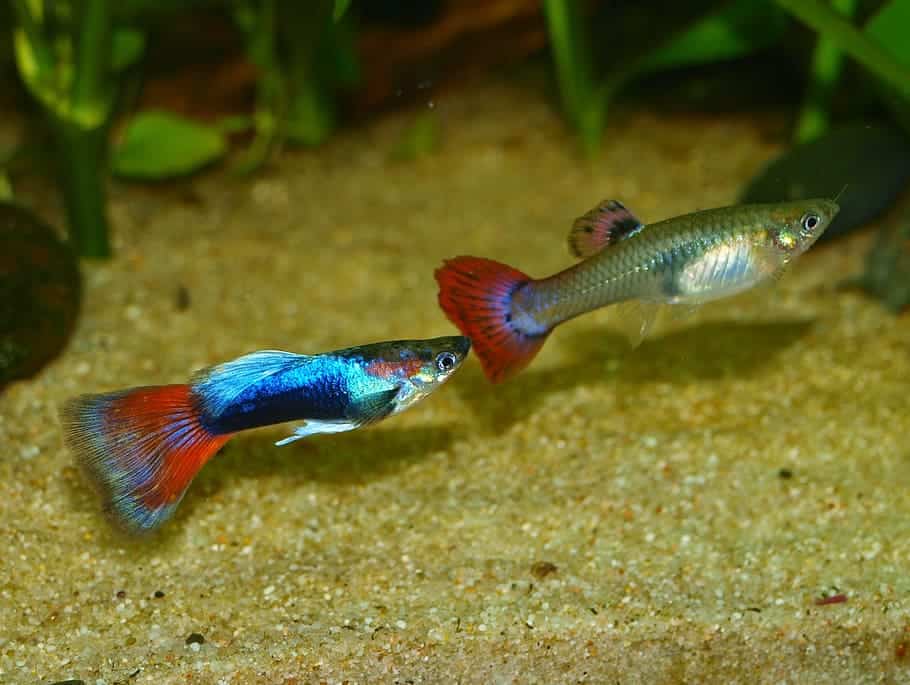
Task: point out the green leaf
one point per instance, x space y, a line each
341 6
6 188
127 47
38 73
866 50
889 28
310 118
235 123
159 145
739 29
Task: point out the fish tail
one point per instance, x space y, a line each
140 448
476 294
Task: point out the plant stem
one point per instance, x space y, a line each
82 131
825 71
851 40
82 163
574 71
91 80
309 39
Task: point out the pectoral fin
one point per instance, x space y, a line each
360 412
373 407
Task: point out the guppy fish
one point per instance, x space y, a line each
689 259
141 447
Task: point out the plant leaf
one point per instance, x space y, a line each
889 28
127 46
739 29
341 6
158 144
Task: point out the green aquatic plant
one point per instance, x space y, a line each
304 54
582 99
71 53
824 74
702 33
160 144
711 32
882 48
68 55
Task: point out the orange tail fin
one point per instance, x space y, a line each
476 295
140 448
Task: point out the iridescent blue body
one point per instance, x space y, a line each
321 388
141 447
334 391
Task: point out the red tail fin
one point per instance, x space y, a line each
140 448
476 295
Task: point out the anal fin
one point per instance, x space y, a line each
636 319
315 428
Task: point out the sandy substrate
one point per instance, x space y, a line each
669 514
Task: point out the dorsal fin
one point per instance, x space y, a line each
218 386
606 224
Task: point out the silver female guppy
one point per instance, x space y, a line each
141 447
688 259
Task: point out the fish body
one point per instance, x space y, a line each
690 259
141 447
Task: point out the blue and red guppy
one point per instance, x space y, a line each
141 447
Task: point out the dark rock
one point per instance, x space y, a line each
887 272
40 291
182 299
542 569
195 638
872 161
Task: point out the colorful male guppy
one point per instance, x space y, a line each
141 447
688 259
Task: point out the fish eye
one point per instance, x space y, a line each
810 222
445 361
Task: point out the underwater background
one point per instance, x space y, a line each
726 502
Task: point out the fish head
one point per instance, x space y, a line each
421 366
795 226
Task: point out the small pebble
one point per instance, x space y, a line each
542 569
785 474
195 639
182 299
158 594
